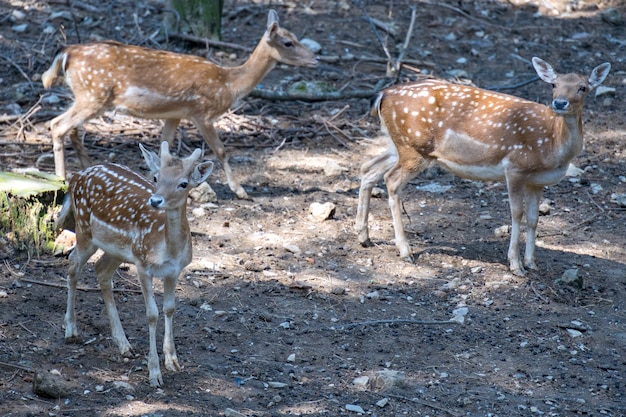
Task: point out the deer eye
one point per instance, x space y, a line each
553 85
183 184
582 89
156 178
288 44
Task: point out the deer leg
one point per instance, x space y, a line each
217 146
70 120
77 259
371 173
533 195
168 133
78 146
169 305
152 313
105 268
396 179
515 188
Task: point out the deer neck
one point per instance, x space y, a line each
176 231
242 79
568 130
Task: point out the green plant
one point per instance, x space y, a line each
27 223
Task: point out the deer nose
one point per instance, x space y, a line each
156 201
560 104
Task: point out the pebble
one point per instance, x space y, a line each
203 193
311 45
292 248
20 28
383 402
355 408
321 212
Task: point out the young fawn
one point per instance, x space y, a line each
154 84
133 220
479 135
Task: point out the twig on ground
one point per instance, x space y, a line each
420 402
541 297
397 321
328 96
52 284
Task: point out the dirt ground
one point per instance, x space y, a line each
282 314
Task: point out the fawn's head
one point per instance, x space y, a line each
174 177
569 90
285 47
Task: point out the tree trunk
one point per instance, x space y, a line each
197 17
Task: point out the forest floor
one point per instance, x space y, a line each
283 314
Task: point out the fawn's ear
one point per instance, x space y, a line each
599 74
152 160
201 172
544 70
272 18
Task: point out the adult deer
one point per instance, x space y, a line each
479 135
154 84
133 220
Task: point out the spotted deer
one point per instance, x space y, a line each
133 220
155 84
479 135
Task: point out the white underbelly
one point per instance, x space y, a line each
475 172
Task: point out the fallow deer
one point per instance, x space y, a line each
133 220
155 84
479 135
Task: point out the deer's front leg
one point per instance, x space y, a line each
105 268
169 306
217 146
152 314
515 187
533 195
371 173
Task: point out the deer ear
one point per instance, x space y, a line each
599 74
544 70
272 18
201 172
152 160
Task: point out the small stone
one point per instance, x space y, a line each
20 28
276 384
612 16
311 45
378 192
361 380
374 295
198 212
574 333
355 408
122 385
572 278
321 212
50 385
3 294
383 402
291 358
51 99
229 412
203 193
502 231
333 169
573 171
292 248
17 15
